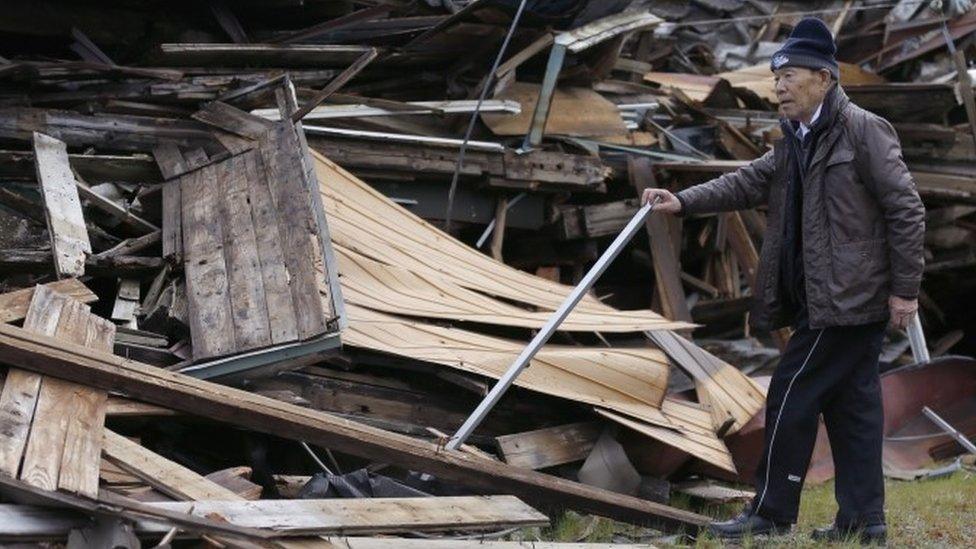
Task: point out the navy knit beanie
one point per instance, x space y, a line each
810 45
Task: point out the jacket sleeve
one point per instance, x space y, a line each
894 188
744 188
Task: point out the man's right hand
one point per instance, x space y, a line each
669 203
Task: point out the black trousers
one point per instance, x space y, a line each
833 371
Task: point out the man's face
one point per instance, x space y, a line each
800 91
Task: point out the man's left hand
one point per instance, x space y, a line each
901 311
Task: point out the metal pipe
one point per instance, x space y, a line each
916 338
952 431
550 326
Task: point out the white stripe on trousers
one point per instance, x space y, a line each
772 438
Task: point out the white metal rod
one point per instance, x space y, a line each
952 431
549 328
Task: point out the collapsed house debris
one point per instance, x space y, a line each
250 262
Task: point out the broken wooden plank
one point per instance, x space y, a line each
133 245
125 218
126 303
162 474
336 83
237 480
62 206
14 305
368 515
45 355
233 120
550 446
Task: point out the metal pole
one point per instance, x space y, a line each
549 328
916 338
953 432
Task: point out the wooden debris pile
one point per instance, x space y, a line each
227 301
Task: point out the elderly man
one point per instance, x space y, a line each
841 256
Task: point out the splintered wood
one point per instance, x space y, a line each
251 245
51 436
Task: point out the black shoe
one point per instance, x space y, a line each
867 535
748 523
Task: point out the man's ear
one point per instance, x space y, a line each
825 77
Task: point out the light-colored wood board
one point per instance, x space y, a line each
364 220
210 314
237 480
13 305
369 515
62 206
550 446
162 474
578 112
282 320
629 380
249 307
57 402
18 400
727 391
394 290
298 229
758 79
83 437
124 407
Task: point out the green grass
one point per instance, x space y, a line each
928 513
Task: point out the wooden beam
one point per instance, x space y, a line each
62 206
42 354
34 261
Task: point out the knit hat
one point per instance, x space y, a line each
810 45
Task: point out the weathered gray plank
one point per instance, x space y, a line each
211 324
62 206
282 317
247 297
284 173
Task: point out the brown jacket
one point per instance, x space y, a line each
863 222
